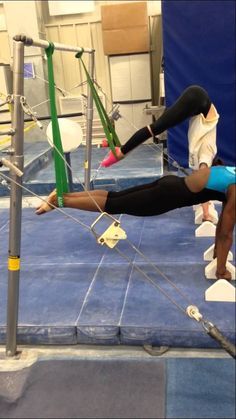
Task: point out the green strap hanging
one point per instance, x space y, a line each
109 130
59 163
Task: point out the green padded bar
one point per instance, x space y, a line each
59 163
109 130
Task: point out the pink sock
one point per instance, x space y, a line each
111 159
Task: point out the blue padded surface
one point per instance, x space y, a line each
85 388
33 152
51 297
143 165
133 164
99 321
200 388
166 239
36 156
72 290
4 216
150 317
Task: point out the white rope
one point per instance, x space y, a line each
150 279
75 219
81 184
152 146
100 210
131 244
44 200
158 271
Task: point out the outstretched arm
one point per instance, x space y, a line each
224 234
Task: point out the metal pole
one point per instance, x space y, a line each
41 43
89 126
43 118
69 172
17 158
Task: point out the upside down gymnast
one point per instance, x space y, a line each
195 105
166 194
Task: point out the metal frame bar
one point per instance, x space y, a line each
44 118
17 158
45 44
89 127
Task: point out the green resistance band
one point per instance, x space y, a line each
109 130
59 163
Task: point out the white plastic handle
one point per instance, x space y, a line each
12 167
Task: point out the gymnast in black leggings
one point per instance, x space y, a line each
194 104
164 195
193 101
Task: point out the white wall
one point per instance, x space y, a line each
154 8
21 17
80 29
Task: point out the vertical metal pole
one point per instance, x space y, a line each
17 158
69 172
89 126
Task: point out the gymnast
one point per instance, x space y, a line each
194 103
166 194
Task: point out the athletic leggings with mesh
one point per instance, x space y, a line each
193 101
158 197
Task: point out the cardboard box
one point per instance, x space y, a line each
125 28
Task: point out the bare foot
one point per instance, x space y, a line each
45 206
224 275
208 218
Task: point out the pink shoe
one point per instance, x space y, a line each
111 159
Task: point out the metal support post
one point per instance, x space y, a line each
89 126
17 158
69 172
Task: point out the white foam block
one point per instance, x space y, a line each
221 290
208 254
199 215
206 229
210 269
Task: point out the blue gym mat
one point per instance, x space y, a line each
126 387
143 165
73 290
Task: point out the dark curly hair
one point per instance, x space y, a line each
217 161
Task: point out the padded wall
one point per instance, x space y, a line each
199 48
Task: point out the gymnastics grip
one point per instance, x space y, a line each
224 343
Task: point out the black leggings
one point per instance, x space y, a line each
193 101
163 195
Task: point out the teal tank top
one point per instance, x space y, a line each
221 177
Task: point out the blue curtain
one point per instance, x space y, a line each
199 48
